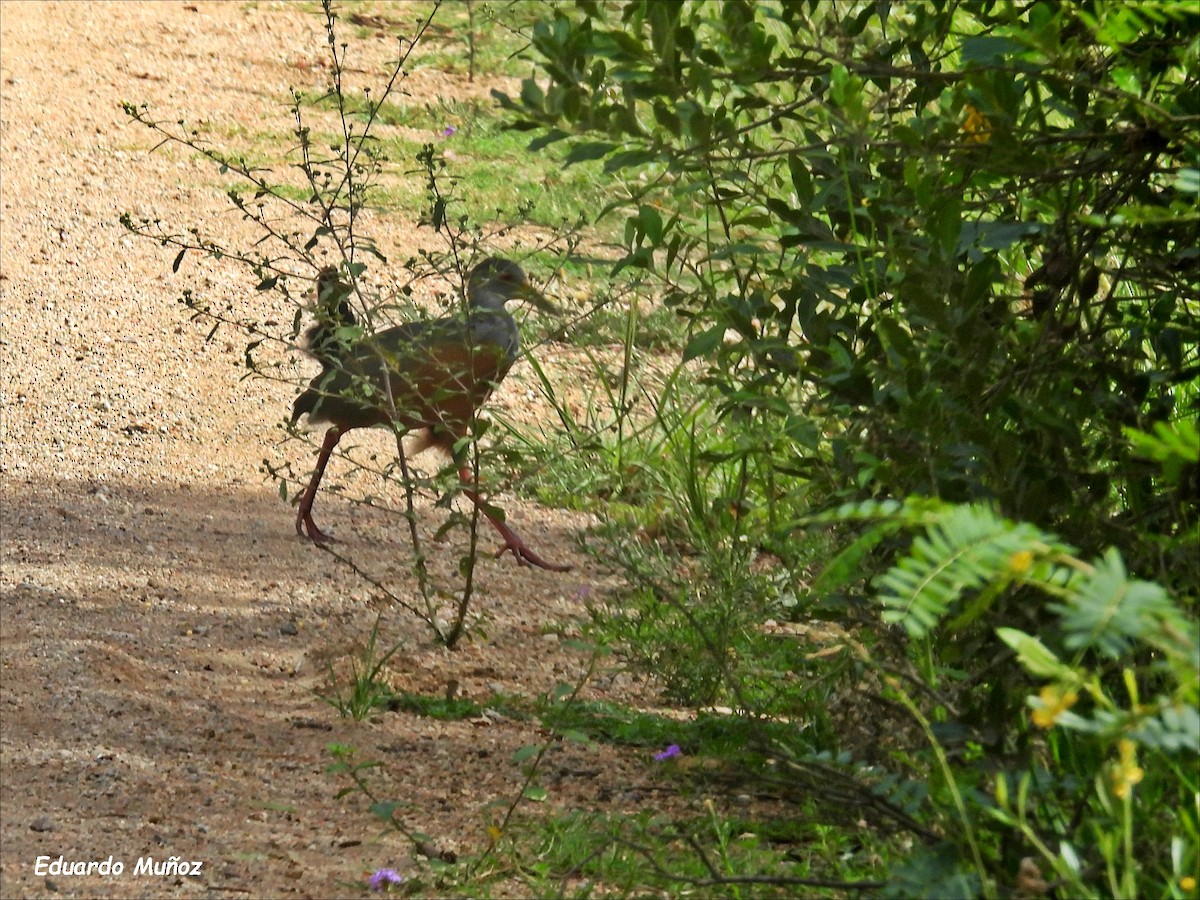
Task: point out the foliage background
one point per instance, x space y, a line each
923 250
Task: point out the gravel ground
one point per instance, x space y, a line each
163 631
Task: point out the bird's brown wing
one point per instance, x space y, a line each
436 373
441 381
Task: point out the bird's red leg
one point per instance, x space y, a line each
304 519
512 541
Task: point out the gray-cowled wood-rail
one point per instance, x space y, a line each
432 376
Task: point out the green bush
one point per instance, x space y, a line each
1070 812
957 240
924 250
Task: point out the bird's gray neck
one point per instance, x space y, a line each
492 301
494 325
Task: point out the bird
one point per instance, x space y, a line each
430 375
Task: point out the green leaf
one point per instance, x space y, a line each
945 225
987 50
1173 445
802 181
1187 181
704 343
384 809
1036 658
651 223
529 751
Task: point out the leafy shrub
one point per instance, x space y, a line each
943 251
959 241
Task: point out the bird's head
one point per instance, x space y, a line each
495 281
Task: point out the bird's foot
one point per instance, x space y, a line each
512 541
306 527
524 556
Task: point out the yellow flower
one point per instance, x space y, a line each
978 130
1020 562
1054 702
1126 773
1187 884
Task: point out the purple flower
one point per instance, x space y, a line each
383 879
448 131
670 752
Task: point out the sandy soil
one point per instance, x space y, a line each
163 631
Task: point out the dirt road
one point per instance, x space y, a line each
163 631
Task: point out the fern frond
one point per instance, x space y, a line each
969 547
1174 727
1108 612
891 517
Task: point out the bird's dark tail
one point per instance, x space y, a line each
305 404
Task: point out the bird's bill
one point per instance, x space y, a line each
538 299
